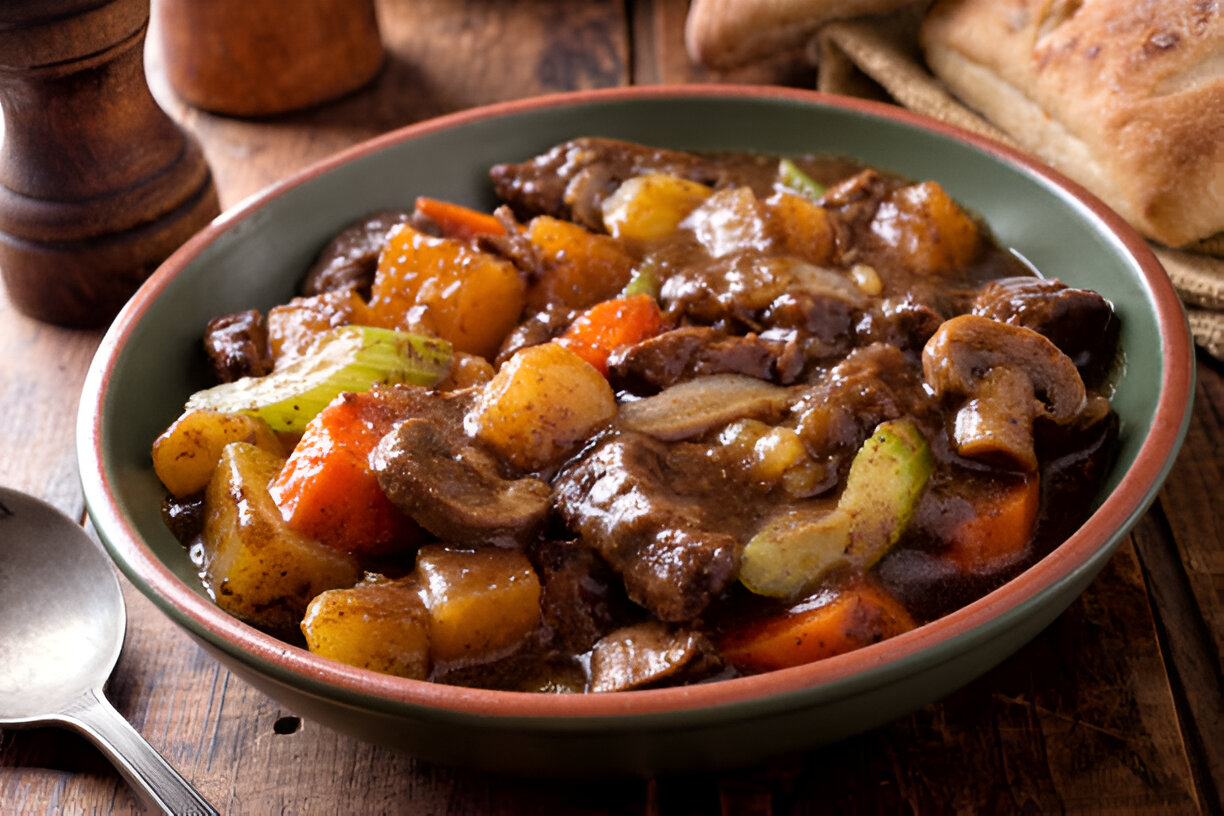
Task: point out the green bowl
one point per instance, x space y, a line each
254 255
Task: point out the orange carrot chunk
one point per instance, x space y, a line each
327 489
457 221
998 533
608 325
831 622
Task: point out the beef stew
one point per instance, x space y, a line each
660 418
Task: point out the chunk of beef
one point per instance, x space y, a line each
513 245
571 180
1079 321
650 653
184 517
669 523
905 322
538 328
853 203
237 345
350 259
581 598
748 291
692 351
873 384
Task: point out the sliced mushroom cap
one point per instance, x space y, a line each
643 654
1004 377
455 489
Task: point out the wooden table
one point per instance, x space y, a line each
1117 706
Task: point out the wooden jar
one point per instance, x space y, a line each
97 184
262 57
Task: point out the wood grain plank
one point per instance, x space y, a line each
37 450
1183 559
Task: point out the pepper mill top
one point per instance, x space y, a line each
97 184
263 57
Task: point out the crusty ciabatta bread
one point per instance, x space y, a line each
732 33
1125 96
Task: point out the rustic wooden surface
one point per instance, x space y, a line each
1116 707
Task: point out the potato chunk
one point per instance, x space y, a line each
186 454
802 228
483 604
380 624
295 328
255 566
543 402
651 206
467 297
929 231
579 267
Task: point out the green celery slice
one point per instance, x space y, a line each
349 358
795 179
887 478
645 281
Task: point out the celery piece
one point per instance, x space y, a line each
887 477
885 482
349 358
795 179
645 281
795 551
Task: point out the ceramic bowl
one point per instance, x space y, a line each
253 255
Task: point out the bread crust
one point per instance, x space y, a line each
731 33
1124 96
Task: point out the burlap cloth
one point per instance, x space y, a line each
879 58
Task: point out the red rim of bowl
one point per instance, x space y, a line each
1121 508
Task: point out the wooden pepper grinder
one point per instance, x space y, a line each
264 57
97 184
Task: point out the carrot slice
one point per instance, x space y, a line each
829 623
998 534
458 221
608 325
327 489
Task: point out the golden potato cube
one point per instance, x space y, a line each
802 228
380 624
651 206
469 298
483 604
579 268
928 230
186 454
295 328
540 405
256 567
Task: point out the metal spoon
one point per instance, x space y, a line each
62 621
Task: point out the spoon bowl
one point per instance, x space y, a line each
62 622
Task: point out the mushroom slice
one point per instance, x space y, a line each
455 489
648 653
1003 377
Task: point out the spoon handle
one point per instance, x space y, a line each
152 776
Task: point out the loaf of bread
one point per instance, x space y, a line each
732 33
1124 96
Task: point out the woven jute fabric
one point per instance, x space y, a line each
879 57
